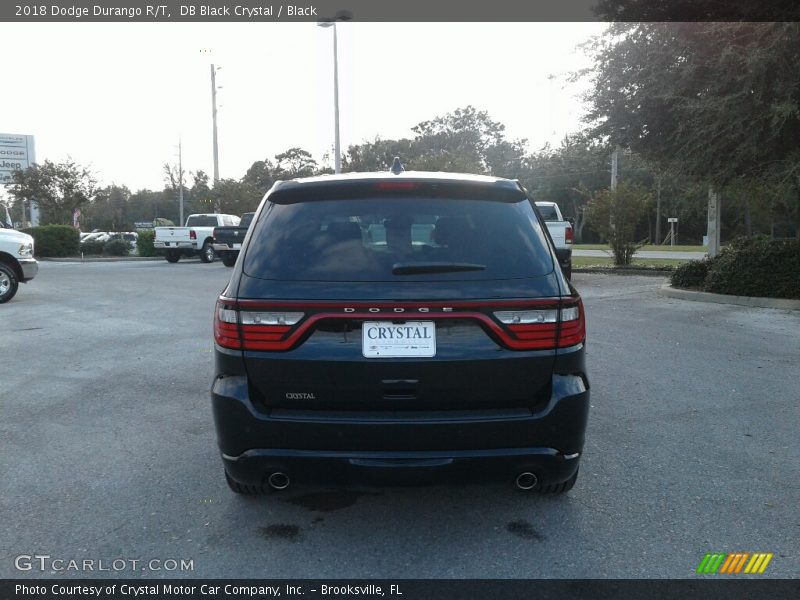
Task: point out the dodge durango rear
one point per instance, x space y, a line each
399 328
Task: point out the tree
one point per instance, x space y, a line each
109 210
569 175
377 155
58 189
717 102
295 162
236 197
260 176
616 215
465 141
200 195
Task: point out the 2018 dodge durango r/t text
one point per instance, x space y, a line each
399 327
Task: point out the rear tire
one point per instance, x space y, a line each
172 256
242 489
207 254
9 284
560 488
228 258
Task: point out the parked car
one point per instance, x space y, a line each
406 327
17 264
561 232
195 239
228 240
94 236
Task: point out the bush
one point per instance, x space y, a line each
93 247
756 267
55 240
625 207
691 274
116 248
145 244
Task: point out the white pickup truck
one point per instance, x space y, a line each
16 258
561 231
195 238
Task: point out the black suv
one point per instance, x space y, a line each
399 327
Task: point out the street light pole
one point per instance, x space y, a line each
180 182
337 150
214 121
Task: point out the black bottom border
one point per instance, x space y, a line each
704 588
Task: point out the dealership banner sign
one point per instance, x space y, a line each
16 152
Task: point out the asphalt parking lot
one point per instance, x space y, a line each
107 447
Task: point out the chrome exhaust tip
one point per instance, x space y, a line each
279 481
527 481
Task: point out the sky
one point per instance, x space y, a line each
118 97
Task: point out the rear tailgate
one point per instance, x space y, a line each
557 231
229 237
171 236
359 265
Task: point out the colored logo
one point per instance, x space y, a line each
734 562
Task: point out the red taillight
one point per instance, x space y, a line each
546 327
252 330
568 234
226 326
192 234
573 331
541 324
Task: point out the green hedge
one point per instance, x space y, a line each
757 267
747 267
144 244
55 240
91 247
116 248
691 274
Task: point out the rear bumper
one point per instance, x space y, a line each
30 267
175 245
391 468
407 447
227 247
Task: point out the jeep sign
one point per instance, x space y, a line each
16 152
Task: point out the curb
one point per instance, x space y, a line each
754 302
612 271
100 259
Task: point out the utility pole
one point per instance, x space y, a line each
714 218
614 168
180 182
658 209
214 121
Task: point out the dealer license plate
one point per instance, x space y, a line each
384 339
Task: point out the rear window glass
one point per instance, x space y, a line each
398 239
548 212
201 221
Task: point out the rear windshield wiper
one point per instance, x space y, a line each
413 268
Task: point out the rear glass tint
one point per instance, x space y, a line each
201 221
548 212
365 239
